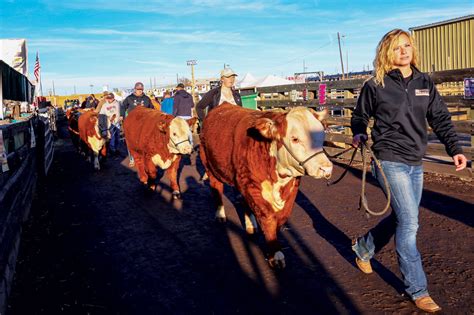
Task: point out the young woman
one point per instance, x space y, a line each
223 93
401 99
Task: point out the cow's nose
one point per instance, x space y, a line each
327 171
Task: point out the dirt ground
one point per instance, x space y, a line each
98 243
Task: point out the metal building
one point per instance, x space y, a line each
446 45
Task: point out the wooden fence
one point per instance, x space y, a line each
29 151
345 94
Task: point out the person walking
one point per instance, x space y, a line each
167 103
111 109
401 99
137 98
218 95
183 103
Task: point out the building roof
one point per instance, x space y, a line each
462 18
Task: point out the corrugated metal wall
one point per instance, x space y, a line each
447 47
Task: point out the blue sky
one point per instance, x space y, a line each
115 43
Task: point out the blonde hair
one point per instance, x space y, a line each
384 57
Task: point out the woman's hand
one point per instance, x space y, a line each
460 161
357 139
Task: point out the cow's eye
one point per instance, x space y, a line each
295 140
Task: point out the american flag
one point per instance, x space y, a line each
37 69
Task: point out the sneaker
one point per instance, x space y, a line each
364 266
427 304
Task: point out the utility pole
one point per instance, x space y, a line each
340 53
177 79
151 86
347 62
154 82
75 89
192 63
54 92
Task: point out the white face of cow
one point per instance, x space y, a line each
304 139
181 140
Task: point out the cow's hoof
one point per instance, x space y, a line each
204 177
251 230
278 261
221 219
152 187
176 195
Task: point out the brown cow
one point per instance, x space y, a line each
90 135
156 139
263 154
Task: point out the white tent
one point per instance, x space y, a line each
271 80
247 81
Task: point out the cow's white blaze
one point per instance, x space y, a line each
158 161
304 137
181 140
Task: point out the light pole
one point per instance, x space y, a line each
340 53
192 63
92 85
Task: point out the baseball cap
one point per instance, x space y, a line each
180 85
139 85
228 72
110 95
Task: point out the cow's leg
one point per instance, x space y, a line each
217 190
150 170
96 161
250 222
269 227
172 174
140 165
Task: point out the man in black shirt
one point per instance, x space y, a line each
137 98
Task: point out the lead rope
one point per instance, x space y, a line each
363 204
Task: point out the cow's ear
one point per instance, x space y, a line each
162 126
266 127
191 121
321 115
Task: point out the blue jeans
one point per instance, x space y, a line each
114 137
406 185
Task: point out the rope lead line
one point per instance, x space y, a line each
363 204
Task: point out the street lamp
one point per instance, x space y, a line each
192 63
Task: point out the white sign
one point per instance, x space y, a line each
14 53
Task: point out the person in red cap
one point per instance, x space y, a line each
137 98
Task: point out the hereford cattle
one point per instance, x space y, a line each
90 135
264 155
156 139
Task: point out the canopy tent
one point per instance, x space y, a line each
249 81
271 80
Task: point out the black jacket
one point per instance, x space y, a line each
132 101
400 111
211 99
183 104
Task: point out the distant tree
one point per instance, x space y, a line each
185 81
